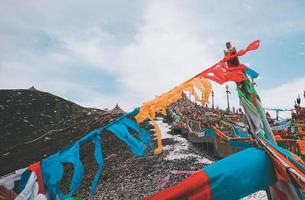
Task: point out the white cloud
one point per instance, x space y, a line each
166 51
284 95
148 47
169 47
301 53
89 50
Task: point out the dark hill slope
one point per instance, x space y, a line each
34 124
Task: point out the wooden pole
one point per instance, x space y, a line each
228 102
213 99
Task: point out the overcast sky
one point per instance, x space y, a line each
98 53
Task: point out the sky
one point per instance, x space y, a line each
99 53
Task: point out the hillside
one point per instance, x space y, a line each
35 124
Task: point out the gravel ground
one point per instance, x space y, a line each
27 115
136 178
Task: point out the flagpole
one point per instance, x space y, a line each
233 63
228 102
213 99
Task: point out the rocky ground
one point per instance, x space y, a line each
35 124
134 178
127 177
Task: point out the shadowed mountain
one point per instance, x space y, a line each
35 124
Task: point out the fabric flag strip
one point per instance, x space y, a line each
29 178
254 112
221 72
8 181
36 167
121 131
279 109
235 142
166 179
160 103
98 154
240 143
232 178
287 164
258 123
221 135
6 194
31 189
194 187
52 166
279 127
236 173
209 133
143 135
240 133
251 47
158 150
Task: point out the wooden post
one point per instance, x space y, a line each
228 102
234 61
213 99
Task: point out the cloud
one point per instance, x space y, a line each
301 53
161 54
166 51
88 50
173 43
143 48
284 95
81 94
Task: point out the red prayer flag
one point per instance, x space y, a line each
252 46
36 167
195 187
221 73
